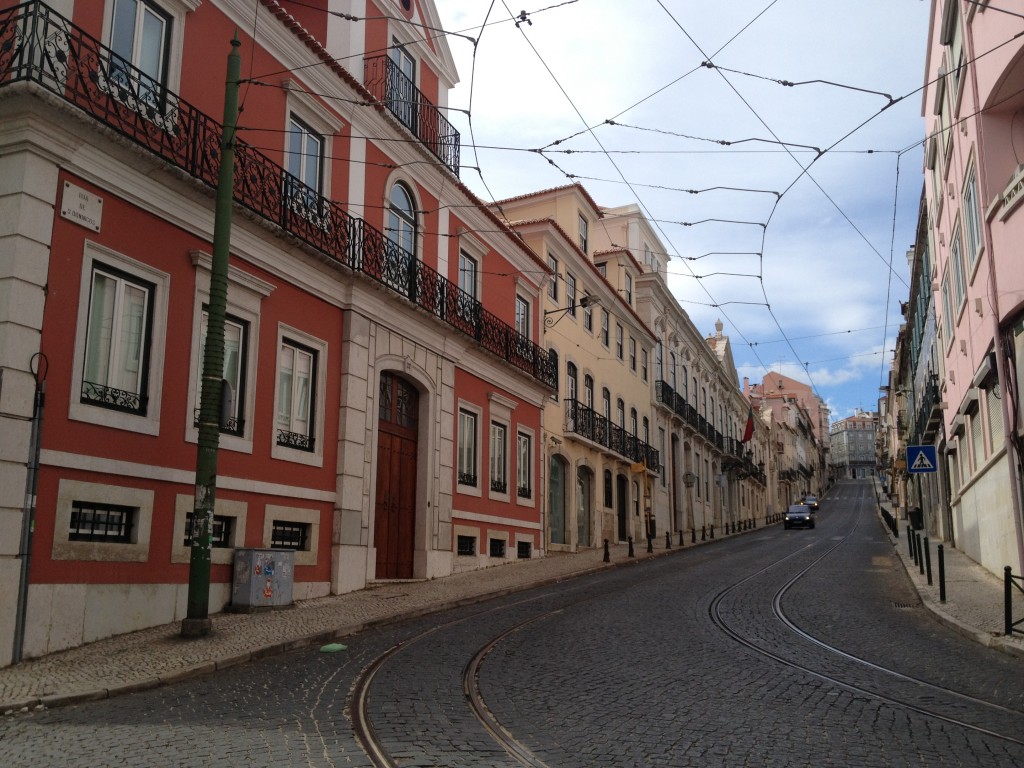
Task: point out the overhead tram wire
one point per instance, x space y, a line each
619 170
775 207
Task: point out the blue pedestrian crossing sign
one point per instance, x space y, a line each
921 458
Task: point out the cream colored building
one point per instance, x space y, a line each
709 476
599 459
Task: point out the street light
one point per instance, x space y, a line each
584 303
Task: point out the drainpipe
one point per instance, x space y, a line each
1012 460
29 509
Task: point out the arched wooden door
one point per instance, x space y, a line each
394 526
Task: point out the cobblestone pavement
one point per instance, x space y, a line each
156 656
630 665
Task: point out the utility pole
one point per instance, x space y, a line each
197 621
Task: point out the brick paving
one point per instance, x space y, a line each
155 656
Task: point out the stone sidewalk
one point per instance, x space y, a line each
974 604
158 656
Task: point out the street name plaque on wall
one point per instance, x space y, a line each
81 206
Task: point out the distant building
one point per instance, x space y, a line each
852 447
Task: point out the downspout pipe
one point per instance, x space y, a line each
39 364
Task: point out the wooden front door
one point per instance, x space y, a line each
394 527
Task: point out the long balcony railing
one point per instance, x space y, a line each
664 393
393 88
588 423
38 45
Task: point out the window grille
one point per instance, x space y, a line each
101 522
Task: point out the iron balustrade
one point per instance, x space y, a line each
297 440
38 45
928 417
588 423
113 398
664 393
392 88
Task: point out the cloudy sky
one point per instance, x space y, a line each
784 180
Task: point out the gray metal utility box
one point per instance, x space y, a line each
263 579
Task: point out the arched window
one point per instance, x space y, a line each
606 403
632 421
672 370
571 381
402 219
620 412
588 391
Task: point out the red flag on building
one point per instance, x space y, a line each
748 431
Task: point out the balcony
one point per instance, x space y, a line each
929 415
589 424
665 394
39 46
392 88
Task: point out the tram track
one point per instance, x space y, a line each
520 754
716 613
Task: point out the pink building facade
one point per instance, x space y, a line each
974 190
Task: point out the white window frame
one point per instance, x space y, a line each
584 233
245 294
497 459
522 315
619 343
402 227
469 274
94 256
319 347
553 285
956 263
175 11
972 218
524 466
605 322
570 293
468 447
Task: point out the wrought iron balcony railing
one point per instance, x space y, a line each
664 393
929 415
588 423
390 86
38 45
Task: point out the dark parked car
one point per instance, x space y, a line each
798 516
811 501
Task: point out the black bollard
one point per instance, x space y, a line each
631 553
650 543
1007 600
942 574
607 554
928 561
693 535
910 542
668 540
703 533
680 537
920 554
712 530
